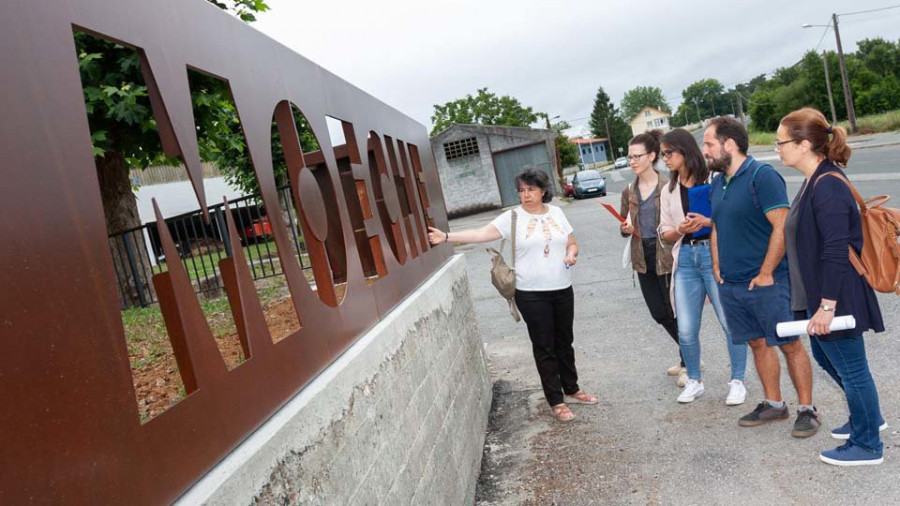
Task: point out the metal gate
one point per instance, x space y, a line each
508 164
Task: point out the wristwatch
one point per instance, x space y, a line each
826 308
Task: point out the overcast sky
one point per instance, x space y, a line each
552 56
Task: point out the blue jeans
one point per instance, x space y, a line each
845 361
694 281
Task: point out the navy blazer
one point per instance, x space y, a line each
828 220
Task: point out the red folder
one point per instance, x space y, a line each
612 211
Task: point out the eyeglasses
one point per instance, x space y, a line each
667 153
778 144
634 158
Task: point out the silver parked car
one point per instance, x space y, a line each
621 162
588 183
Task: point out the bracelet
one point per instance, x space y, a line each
446 236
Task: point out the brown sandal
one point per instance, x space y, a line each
581 397
562 413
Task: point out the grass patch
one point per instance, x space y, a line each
207 265
148 340
876 123
872 124
762 138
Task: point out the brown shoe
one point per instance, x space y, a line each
764 413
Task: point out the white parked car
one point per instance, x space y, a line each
621 162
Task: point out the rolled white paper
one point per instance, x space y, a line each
785 329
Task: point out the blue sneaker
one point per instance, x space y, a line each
849 455
843 432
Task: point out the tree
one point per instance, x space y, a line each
568 152
484 108
123 130
640 97
708 96
124 133
605 114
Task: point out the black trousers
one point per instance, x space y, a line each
656 293
549 317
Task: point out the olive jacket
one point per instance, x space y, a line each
629 208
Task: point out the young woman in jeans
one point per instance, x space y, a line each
650 258
545 250
822 222
684 221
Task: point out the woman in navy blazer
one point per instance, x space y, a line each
822 221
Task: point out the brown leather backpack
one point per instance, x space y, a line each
879 260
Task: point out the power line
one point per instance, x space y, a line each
897 6
825 32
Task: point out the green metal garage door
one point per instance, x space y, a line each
508 164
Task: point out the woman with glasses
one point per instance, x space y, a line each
822 222
650 258
545 251
685 221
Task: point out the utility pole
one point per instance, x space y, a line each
608 137
828 85
559 169
848 98
699 118
741 108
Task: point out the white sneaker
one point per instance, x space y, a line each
737 394
692 390
682 380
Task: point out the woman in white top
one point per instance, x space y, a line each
545 250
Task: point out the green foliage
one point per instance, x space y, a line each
873 70
116 100
709 96
640 97
117 104
568 152
484 108
884 122
883 96
220 136
605 113
243 9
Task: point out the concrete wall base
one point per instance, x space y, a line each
399 418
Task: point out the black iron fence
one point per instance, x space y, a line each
137 253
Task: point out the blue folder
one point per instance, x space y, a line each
698 202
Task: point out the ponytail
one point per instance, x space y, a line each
837 149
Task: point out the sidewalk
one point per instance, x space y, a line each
639 446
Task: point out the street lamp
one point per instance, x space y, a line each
848 97
549 119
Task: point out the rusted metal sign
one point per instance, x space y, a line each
69 424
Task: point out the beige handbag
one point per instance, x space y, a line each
503 277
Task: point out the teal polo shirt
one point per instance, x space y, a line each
742 229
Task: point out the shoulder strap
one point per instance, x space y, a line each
758 165
855 260
859 200
513 241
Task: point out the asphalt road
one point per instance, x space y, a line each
639 446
